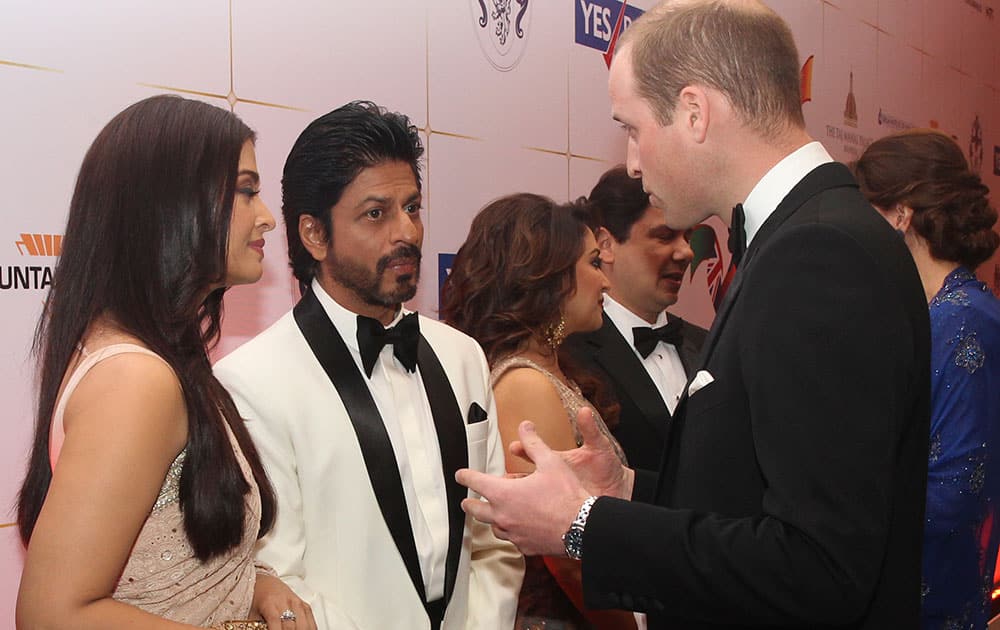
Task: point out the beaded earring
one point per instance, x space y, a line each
555 334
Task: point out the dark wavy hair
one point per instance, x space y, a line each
512 275
146 238
326 158
926 170
618 201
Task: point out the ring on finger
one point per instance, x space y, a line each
287 615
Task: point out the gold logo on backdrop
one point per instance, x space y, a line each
851 106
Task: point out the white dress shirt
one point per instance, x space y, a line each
406 413
663 364
778 182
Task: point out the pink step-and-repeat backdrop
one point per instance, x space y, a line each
519 104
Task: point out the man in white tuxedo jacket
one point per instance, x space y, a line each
362 412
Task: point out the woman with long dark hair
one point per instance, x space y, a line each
528 276
144 495
921 183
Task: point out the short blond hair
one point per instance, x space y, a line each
743 50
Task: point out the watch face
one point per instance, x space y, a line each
573 541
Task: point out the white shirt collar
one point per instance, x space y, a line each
778 182
345 321
625 320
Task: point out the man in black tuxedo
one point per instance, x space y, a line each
792 489
642 352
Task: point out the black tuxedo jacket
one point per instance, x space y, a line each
644 420
792 489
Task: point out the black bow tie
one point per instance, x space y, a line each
372 337
737 235
646 338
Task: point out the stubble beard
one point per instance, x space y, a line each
367 284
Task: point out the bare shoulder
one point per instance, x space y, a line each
131 375
527 394
524 382
524 393
132 393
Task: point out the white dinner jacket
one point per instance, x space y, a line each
330 542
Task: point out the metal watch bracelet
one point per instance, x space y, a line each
573 538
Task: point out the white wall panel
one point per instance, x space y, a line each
525 106
847 70
861 10
319 54
182 43
943 30
978 45
897 80
902 19
941 85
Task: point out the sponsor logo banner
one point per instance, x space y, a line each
596 22
885 119
36 275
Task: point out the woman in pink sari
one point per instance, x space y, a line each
144 496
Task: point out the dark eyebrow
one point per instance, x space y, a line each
384 200
254 175
662 231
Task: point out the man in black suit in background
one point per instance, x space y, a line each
642 352
792 489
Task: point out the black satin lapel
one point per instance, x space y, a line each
618 360
688 352
450 426
383 471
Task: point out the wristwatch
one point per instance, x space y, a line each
573 538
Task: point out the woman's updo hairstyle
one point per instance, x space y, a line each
926 170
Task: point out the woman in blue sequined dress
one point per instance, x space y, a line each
920 181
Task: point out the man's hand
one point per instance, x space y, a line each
535 510
595 463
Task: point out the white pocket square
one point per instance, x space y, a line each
701 379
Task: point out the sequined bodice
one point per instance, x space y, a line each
570 395
162 575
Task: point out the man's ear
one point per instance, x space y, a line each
314 237
606 243
694 110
